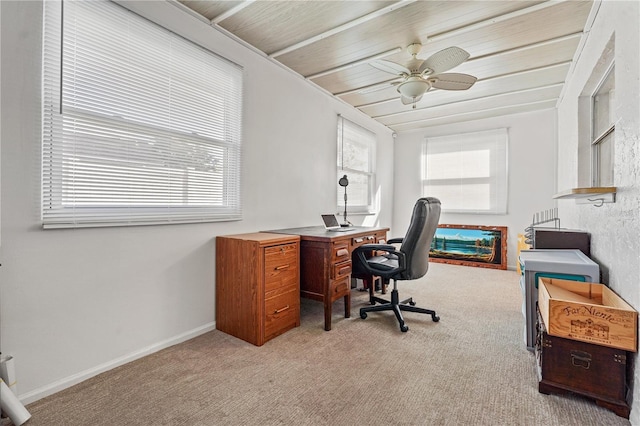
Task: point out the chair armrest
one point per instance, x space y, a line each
395 240
372 247
359 252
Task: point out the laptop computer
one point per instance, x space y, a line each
331 223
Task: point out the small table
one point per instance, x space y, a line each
325 262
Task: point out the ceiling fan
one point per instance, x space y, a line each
418 76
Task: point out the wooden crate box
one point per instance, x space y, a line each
589 312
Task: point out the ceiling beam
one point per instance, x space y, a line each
496 110
496 96
343 27
354 63
495 20
229 13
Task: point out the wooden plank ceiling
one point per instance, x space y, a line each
520 51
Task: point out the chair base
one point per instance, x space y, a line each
397 307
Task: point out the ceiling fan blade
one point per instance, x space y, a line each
444 60
390 67
453 81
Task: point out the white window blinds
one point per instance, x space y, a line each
356 159
140 126
467 172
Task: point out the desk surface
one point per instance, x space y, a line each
319 233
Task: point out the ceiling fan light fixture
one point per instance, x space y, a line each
413 87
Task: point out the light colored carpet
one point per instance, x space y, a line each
471 368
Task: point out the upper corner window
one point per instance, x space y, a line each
602 132
356 160
467 172
140 126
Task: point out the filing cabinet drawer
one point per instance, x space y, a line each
281 267
282 313
279 257
341 269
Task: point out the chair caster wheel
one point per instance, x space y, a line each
435 318
404 328
363 315
412 303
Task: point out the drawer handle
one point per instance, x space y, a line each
581 359
358 240
277 311
280 268
342 252
344 269
371 238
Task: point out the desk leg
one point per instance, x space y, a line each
347 305
327 313
327 310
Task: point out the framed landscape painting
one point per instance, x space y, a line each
470 245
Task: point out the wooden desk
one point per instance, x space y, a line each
325 263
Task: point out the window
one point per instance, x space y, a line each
596 122
467 172
602 133
356 159
140 126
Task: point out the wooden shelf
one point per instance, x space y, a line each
585 192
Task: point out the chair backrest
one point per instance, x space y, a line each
417 241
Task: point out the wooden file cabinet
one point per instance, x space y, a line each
257 285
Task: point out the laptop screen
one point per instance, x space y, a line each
330 221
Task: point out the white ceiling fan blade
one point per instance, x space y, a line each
408 101
453 81
390 67
444 60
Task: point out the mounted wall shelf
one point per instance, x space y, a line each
590 195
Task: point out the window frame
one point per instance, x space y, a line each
367 140
192 172
606 135
497 142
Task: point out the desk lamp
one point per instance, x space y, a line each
344 182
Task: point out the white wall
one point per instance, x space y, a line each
614 228
74 303
532 150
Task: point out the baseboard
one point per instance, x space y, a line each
66 382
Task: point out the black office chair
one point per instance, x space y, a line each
409 262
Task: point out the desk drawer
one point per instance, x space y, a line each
339 288
282 313
364 239
342 269
340 251
373 238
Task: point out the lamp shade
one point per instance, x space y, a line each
413 87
